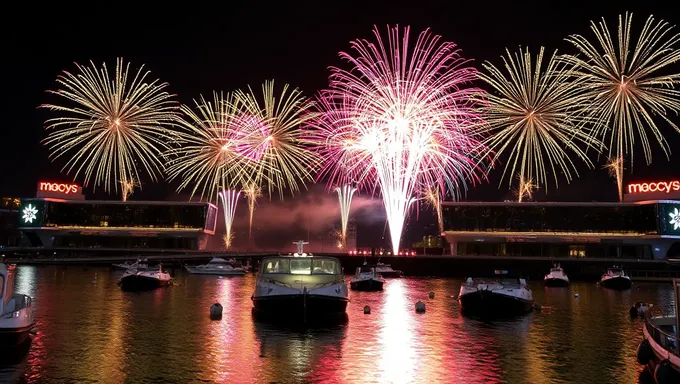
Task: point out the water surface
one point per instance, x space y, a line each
89 331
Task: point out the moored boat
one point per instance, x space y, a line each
141 278
499 297
615 278
556 277
217 266
366 279
660 349
16 311
385 270
300 287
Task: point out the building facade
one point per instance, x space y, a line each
82 224
628 230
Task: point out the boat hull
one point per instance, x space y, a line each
141 283
491 303
201 271
554 282
390 273
300 305
616 283
366 285
13 337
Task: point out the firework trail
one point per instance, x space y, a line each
629 85
110 123
401 118
252 192
128 187
526 189
615 168
433 198
535 118
345 194
229 200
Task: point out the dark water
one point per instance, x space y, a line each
94 333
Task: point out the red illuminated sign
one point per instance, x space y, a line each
66 189
658 186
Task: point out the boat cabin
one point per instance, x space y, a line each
287 269
9 301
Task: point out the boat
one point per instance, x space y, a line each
494 296
659 351
217 266
385 270
556 277
140 277
615 278
125 266
366 279
300 287
16 311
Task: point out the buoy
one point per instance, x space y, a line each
367 310
576 295
431 295
420 307
216 311
644 352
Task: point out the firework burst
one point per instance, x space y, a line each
270 139
229 200
345 194
432 197
110 124
128 187
400 119
629 84
535 117
526 188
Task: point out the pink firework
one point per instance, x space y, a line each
401 119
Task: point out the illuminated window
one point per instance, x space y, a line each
301 267
577 251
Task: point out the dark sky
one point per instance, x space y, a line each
199 48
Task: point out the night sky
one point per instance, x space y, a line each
198 49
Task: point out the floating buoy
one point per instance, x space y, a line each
216 311
420 307
576 295
431 294
367 310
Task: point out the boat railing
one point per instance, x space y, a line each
666 340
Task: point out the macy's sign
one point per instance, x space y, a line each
58 187
659 186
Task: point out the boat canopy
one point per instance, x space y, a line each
218 260
300 266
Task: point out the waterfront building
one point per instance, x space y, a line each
9 210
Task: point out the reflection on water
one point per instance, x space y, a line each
90 331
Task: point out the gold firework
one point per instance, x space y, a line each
625 88
206 150
270 138
526 189
615 168
535 115
432 197
108 124
252 192
128 187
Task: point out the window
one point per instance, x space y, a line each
325 267
277 266
577 251
301 267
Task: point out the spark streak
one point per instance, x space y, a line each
345 194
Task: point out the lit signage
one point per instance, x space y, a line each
659 186
63 188
669 219
674 219
30 213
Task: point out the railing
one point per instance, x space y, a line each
667 341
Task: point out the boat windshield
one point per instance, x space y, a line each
615 270
301 266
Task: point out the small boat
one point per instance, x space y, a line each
16 311
125 266
385 270
300 287
217 266
615 278
556 277
139 277
659 352
366 279
503 297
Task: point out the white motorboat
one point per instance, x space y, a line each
301 287
505 297
366 279
615 278
16 311
556 277
217 266
385 270
125 266
140 277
